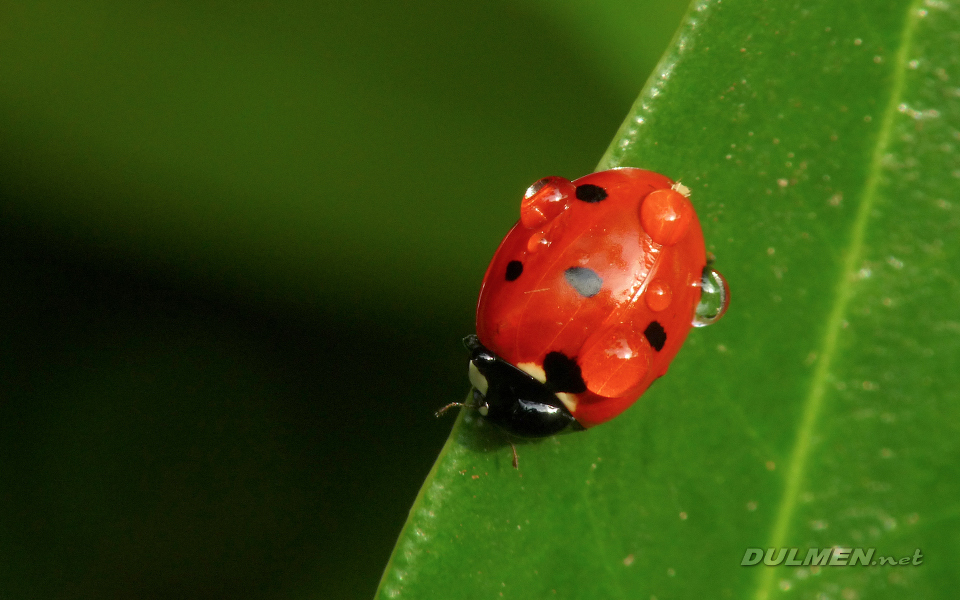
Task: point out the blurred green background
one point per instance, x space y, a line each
239 245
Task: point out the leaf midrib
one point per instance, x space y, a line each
797 463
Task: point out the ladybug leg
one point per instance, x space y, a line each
516 458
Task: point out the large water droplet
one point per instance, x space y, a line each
714 298
666 215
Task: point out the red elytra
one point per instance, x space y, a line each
594 291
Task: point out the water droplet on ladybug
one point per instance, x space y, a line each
544 200
666 215
614 361
658 296
714 298
537 241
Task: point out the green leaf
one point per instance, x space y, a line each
819 141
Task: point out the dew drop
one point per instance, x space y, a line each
658 296
666 216
714 298
537 241
544 200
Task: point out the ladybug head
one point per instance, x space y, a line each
513 400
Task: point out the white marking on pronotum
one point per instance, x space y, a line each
536 371
569 400
478 381
533 370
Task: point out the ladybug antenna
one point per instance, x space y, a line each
477 403
444 409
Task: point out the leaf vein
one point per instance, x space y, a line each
800 453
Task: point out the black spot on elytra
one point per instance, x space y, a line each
591 193
514 269
563 374
655 335
584 280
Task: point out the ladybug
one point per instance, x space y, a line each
587 300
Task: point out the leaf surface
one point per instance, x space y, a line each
819 141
